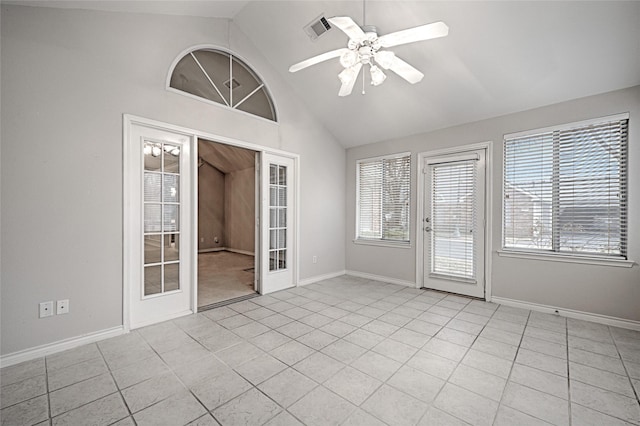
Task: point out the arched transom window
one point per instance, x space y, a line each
222 78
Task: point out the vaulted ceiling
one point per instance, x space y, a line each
499 57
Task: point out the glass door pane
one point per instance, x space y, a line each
277 217
161 217
453 219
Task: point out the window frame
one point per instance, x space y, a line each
554 254
242 61
405 243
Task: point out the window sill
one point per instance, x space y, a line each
380 243
568 258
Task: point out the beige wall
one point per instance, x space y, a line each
604 290
240 209
211 202
67 78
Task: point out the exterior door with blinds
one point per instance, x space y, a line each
159 227
277 260
453 223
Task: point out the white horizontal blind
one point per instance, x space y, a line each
383 198
565 190
453 219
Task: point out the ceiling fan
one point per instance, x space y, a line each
365 47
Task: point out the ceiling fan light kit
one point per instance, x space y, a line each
364 48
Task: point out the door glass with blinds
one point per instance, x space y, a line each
565 189
454 223
161 218
383 191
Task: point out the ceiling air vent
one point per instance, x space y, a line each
232 84
317 27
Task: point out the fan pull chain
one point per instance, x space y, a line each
363 77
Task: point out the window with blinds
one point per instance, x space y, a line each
383 191
565 189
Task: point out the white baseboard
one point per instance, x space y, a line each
381 278
162 319
59 346
232 250
569 313
318 278
211 250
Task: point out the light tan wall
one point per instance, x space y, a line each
211 202
240 210
62 148
604 290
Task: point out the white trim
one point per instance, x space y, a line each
380 241
165 318
318 278
214 249
488 213
570 313
567 258
383 243
129 121
211 250
245 252
381 278
59 346
231 52
384 157
568 126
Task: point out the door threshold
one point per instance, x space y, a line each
227 302
453 294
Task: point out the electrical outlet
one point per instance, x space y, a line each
62 306
315 259
46 309
202 239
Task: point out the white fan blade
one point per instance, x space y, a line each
317 59
423 32
406 71
350 28
347 87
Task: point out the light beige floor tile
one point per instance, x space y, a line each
178 409
220 389
432 364
537 404
540 380
352 385
416 383
287 387
26 413
606 402
104 411
250 408
395 407
478 381
322 407
81 393
319 367
22 391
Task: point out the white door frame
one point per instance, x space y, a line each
488 213
129 216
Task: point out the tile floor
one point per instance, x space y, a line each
346 351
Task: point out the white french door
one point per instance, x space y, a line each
277 219
158 231
453 223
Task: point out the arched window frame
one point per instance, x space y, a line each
232 54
